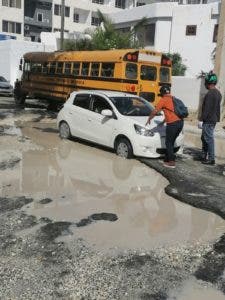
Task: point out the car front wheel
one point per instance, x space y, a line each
124 148
64 130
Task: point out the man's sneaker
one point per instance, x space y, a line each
169 164
209 162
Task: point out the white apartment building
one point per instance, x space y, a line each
81 15
189 30
12 18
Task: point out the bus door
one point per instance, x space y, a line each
26 70
148 86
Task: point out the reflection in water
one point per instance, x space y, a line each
83 180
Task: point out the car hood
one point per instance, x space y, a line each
154 123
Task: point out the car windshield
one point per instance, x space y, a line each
2 79
132 106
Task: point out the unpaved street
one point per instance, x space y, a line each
78 222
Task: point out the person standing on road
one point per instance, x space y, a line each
174 124
210 115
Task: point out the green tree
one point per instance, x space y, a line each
107 37
178 68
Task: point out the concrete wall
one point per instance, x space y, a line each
188 89
11 51
196 50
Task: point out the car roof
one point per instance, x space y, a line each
107 93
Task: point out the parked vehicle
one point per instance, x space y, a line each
116 120
5 87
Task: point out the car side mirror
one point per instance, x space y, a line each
107 113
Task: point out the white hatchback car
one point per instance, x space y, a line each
116 120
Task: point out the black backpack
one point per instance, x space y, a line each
179 108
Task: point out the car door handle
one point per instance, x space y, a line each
70 113
89 119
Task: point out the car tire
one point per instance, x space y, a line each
124 148
64 130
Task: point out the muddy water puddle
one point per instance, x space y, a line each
111 202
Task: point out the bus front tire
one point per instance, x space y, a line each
124 148
20 100
64 130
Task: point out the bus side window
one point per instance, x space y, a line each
59 68
131 71
85 69
148 73
107 69
67 69
76 69
52 67
95 69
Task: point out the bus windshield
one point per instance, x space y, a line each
132 106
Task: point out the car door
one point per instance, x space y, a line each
102 127
79 115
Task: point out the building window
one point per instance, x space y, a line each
59 30
76 18
67 11
40 17
140 3
193 1
215 33
57 10
120 3
191 29
95 21
12 3
11 27
98 1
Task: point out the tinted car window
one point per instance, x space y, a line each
132 106
82 100
99 104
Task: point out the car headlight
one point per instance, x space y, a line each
143 131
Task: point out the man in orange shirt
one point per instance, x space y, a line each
174 124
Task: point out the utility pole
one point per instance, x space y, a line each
219 68
62 23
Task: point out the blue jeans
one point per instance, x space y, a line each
208 147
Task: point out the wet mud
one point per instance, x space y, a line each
97 217
140 243
191 182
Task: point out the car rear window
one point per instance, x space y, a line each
82 100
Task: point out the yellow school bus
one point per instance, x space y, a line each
54 75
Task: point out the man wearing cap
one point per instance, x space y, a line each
210 115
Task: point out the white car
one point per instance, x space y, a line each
5 87
116 120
